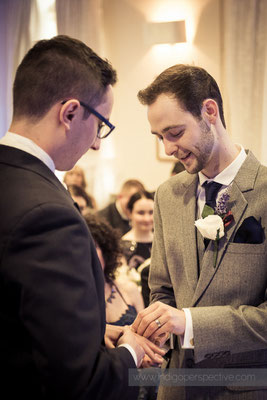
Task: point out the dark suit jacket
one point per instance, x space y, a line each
52 308
228 303
112 215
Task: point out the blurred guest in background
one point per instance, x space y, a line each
116 213
75 176
85 201
122 301
137 242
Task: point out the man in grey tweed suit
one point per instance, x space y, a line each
214 301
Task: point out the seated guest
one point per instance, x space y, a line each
116 213
137 242
123 302
85 201
75 176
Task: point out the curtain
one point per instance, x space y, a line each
244 33
81 19
14 43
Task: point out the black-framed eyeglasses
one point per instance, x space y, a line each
105 128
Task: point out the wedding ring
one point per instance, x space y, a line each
158 322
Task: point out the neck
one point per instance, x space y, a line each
224 153
34 131
46 132
137 236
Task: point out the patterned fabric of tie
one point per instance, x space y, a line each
211 191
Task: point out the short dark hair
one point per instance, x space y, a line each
78 191
108 239
143 194
58 69
190 85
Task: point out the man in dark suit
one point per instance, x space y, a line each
116 213
52 308
208 286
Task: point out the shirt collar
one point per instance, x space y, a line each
22 143
228 174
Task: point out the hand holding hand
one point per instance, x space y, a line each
112 335
153 352
129 337
159 319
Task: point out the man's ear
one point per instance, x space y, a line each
210 111
68 112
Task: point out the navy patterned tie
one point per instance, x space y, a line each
211 191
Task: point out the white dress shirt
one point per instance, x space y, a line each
22 143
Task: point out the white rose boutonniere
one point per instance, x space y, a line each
211 227
213 222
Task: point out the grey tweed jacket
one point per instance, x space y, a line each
227 303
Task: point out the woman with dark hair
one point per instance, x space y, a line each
123 302
137 242
85 201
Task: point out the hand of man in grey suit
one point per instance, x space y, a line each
158 320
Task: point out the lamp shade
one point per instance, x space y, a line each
164 32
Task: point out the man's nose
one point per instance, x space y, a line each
170 148
96 144
148 217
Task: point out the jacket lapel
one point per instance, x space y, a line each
189 233
243 182
21 159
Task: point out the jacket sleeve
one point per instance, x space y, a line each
52 266
159 278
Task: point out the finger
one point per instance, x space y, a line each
148 325
109 343
156 358
161 339
155 327
141 315
160 336
155 348
148 363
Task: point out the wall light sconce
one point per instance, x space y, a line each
164 32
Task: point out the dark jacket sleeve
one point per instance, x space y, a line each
50 265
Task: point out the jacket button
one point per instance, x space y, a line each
189 363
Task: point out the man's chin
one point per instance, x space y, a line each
191 169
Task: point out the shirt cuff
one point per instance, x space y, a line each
187 340
131 350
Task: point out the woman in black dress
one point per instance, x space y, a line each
137 242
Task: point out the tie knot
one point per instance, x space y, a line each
211 191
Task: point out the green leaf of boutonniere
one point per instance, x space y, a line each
207 210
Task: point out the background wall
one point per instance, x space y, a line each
130 152
226 37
